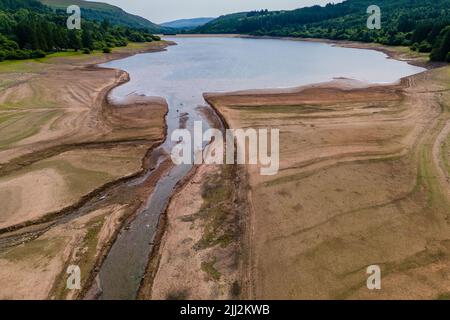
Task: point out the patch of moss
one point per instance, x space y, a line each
39 247
444 296
178 295
210 270
282 109
219 226
85 258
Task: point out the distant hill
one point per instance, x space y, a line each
99 11
30 30
187 23
424 25
230 23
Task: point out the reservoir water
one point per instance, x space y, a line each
213 64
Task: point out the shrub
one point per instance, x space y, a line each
37 54
86 51
7 44
425 47
106 50
122 42
136 37
99 45
448 57
156 38
442 46
19 55
3 55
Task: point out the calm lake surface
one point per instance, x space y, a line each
197 65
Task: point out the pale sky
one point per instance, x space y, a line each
159 11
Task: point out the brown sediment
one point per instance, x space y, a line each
188 264
175 270
183 263
356 187
103 126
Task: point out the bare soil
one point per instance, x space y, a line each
363 180
65 156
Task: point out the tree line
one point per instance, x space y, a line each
423 25
29 29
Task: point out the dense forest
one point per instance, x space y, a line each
98 11
424 25
29 29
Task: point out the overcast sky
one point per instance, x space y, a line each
166 10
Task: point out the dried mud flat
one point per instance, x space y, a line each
364 180
198 256
66 155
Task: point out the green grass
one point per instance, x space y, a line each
85 259
282 109
80 180
18 66
210 270
215 212
36 248
219 227
90 242
63 54
444 296
14 128
6 83
85 4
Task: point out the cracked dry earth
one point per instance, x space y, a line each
364 180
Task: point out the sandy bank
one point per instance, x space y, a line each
355 188
87 144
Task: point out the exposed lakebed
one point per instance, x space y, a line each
213 64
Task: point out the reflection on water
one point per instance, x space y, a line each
198 65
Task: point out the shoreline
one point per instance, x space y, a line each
108 106
105 111
391 51
406 86
154 262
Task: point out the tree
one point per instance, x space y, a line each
30 30
74 40
86 39
105 25
442 47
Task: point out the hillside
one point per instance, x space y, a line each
100 11
187 23
422 24
29 29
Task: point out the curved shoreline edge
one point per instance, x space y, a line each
148 276
402 84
